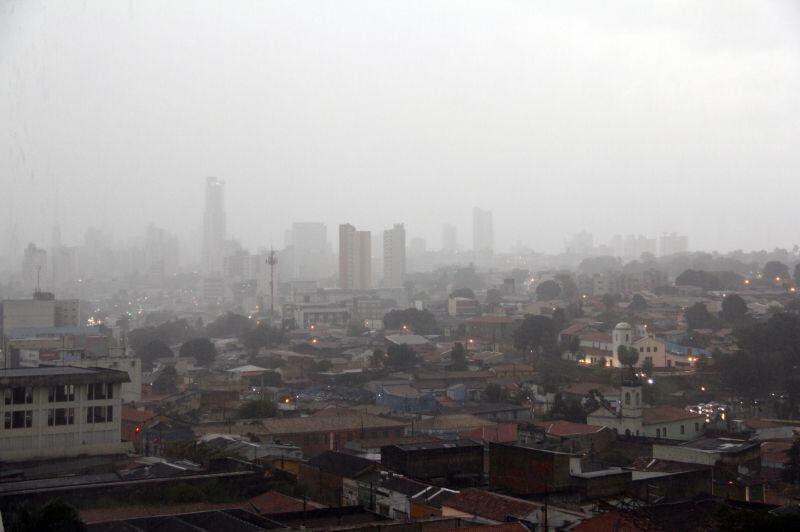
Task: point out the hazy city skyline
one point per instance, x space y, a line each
613 120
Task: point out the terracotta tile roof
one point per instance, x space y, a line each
491 319
502 527
568 428
274 502
490 505
117 513
583 388
595 336
136 416
756 423
666 414
774 452
611 521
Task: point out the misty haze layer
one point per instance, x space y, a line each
613 117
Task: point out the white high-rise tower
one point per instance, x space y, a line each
214 226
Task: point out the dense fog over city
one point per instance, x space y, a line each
496 266
557 117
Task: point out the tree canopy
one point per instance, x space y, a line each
628 356
699 278
734 308
258 409
458 357
418 321
151 351
698 317
774 268
638 303
202 349
401 357
53 516
494 393
261 335
548 290
536 334
166 381
463 292
228 325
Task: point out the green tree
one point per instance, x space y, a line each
628 356
797 274
401 357
791 473
559 318
647 367
151 351
698 317
261 335
53 516
417 321
569 290
699 278
568 409
202 349
494 393
774 268
458 357
463 292
610 301
547 290
321 366
228 325
638 303
734 308
493 298
166 381
536 334
258 409
378 358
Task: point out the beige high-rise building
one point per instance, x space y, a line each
355 258
394 256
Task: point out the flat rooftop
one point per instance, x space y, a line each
52 375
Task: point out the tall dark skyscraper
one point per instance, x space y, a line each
214 226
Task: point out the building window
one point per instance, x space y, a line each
19 419
60 416
627 398
60 394
19 395
100 414
682 431
697 427
658 433
101 390
648 349
665 432
655 349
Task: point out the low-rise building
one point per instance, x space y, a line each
58 412
456 462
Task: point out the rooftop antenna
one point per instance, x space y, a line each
272 260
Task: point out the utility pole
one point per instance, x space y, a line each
272 260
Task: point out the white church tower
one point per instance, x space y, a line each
622 335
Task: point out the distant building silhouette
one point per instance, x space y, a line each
355 258
394 256
214 227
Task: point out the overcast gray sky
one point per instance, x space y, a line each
617 117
